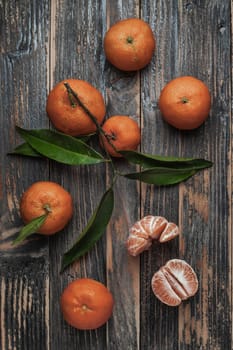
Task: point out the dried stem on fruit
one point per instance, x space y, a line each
71 92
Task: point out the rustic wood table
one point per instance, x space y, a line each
43 42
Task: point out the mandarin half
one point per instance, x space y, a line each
174 282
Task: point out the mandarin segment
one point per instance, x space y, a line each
163 290
170 231
86 304
177 287
174 282
136 244
149 228
154 225
138 230
184 273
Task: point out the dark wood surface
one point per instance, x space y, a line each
43 42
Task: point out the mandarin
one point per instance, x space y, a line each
129 44
65 112
185 102
50 197
121 133
86 304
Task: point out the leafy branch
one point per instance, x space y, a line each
157 170
100 130
59 147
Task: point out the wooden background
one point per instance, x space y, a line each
43 42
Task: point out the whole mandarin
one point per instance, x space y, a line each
121 133
129 44
86 304
185 102
47 197
67 115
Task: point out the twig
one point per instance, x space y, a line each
71 93
86 110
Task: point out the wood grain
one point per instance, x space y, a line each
24 303
43 42
123 271
76 52
24 269
204 200
159 323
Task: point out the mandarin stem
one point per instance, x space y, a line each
129 40
47 208
184 100
86 110
73 104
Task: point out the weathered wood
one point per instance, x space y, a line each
123 92
23 269
76 52
188 47
159 323
205 203
24 303
43 42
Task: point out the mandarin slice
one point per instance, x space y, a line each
153 225
138 230
163 290
136 244
185 274
170 231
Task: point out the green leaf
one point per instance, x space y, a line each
60 147
93 231
152 161
162 176
32 227
25 150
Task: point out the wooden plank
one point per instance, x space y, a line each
205 200
123 95
194 332
76 51
24 303
159 323
230 191
24 269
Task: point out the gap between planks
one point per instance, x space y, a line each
51 62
